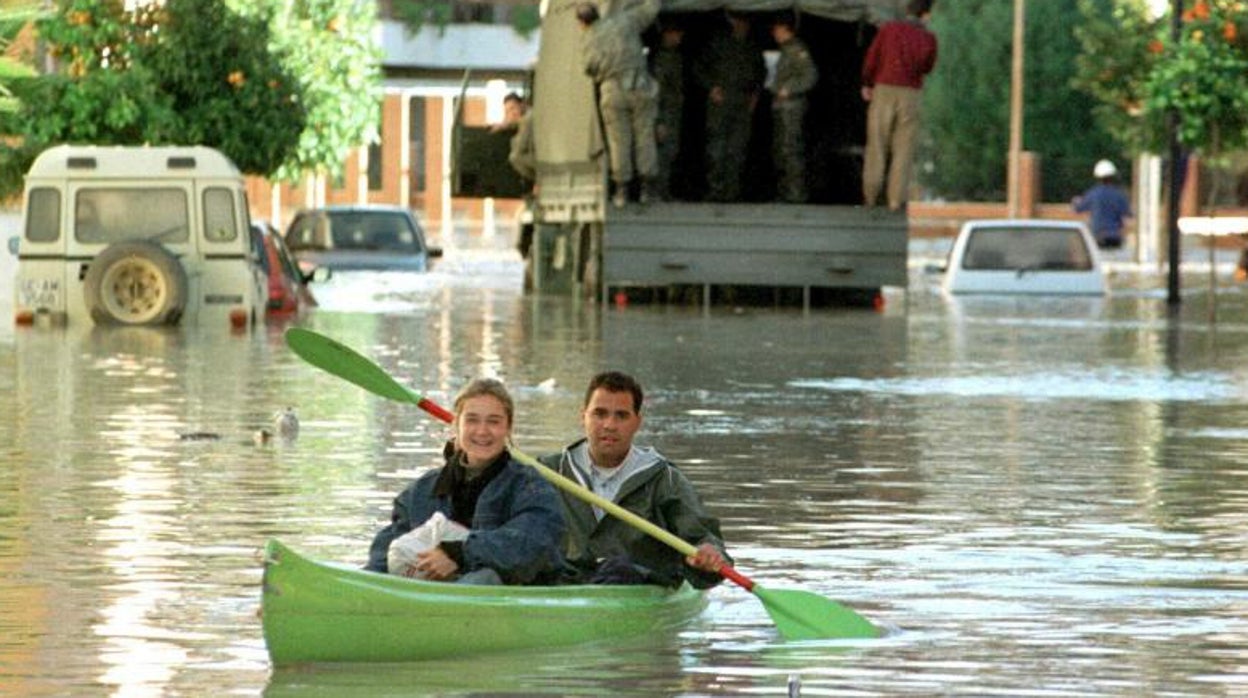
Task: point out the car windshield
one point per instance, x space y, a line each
371 230
1014 248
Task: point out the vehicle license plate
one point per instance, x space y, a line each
39 293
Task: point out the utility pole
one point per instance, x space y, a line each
1014 176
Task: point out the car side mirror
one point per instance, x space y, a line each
434 252
14 242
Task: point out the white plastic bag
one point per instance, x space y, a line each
403 550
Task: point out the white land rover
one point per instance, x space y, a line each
136 236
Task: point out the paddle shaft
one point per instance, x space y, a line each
638 522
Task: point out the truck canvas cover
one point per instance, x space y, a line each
840 10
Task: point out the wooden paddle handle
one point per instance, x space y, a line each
645 526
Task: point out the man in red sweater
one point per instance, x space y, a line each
901 55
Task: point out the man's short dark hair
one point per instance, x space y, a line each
785 19
512 97
587 13
616 382
918 8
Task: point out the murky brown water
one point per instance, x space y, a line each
1037 497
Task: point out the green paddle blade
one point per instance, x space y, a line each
344 362
802 615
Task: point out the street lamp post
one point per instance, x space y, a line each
1176 173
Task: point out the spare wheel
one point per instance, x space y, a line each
136 282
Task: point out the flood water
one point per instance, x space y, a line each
1035 497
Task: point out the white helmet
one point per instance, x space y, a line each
1104 169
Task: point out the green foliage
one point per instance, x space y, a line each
13 18
967 101
1059 121
228 88
1202 77
329 48
417 14
525 19
1118 48
112 108
280 86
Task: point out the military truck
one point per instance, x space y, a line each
828 248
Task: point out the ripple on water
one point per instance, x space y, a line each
1093 384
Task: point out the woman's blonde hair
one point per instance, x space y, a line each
481 387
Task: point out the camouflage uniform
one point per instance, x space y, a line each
796 75
522 155
736 67
523 159
615 60
669 71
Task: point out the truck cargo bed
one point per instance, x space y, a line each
753 245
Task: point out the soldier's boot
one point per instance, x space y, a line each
647 193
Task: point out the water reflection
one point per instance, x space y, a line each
1040 494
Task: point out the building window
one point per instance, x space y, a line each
374 166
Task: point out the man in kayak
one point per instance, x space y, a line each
514 517
603 549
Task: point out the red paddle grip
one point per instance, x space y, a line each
737 578
435 409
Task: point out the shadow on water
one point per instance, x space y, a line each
649 666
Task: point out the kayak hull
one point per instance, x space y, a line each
319 612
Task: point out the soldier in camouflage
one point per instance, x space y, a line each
668 66
615 60
796 76
731 69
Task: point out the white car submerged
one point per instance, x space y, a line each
1025 256
136 236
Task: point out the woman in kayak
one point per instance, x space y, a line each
514 518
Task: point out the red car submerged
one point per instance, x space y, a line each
287 282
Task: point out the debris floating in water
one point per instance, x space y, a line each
286 424
199 436
285 429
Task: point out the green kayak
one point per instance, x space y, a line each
320 612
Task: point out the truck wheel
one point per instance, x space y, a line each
136 282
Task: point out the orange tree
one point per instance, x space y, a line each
280 87
1139 73
329 48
